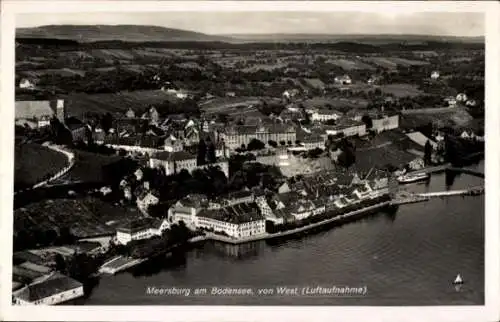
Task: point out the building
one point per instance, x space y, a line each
266 210
347 128
461 97
130 114
237 221
54 289
173 162
302 208
291 93
343 80
145 200
324 114
141 229
373 80
37 111
382 123
141 144
311 142
27 84
233 198
236 136
451 101
186 209
172 144
470 103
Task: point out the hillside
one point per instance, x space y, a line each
34 163
132 33
358 38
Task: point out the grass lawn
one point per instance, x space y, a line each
88 166
33 162
401 90
350 64
455 117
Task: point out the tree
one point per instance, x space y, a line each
283 143
211 155
427 152
272 143
202 152
107 122
368 121
255 144
60 263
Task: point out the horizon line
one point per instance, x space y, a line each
261 34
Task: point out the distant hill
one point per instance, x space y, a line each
129 33
367 39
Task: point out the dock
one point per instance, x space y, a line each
119 263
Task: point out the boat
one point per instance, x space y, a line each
410 178
458 280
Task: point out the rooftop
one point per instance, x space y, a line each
54 285
139 224
174 156
34 109
236 214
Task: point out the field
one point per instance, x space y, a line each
315 83
88 167
85 217
33 162
350 64
393 62
65 72
341 104
444 117
401 90
80 103
228 104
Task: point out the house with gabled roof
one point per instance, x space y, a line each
54 289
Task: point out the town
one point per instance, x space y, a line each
129 151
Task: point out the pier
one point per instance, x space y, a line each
473 191
120 263
466 171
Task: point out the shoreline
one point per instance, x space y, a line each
267 236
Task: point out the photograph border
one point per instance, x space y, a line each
488 312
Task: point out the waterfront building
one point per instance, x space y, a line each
237 221
232 198
186 209
140 229
54 289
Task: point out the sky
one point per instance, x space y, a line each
431 23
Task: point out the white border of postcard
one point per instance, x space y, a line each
488 312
